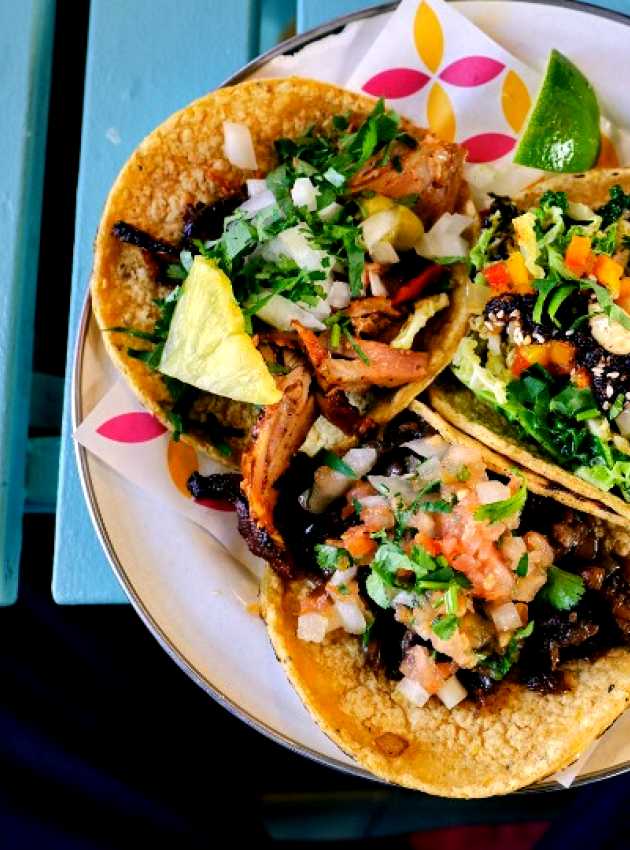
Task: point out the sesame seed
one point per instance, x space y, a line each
606 405
515 314
609 390
598 371
570 332
538 337
500 314
613 375
628 396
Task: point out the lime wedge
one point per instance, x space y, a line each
563 129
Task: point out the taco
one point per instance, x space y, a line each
543 374
447 627
282 243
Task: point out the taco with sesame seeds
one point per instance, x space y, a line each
282 243
543 373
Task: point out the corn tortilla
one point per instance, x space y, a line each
460 407
182 163
516 738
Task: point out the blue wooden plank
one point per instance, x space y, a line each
140 68
26 38
277 22
312 13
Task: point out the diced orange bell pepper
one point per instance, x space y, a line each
624 287
527 355
578 253
582 378
498 277
519 276
608 272
561 357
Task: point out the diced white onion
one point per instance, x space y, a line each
492 491
255 186
452 692
413 692
427 446
599 427
393 485
293 243
304 194
238 146
322 435
445 239
405 598
343 576
378 227
330 485
339 294
279 312
330 212
623 423
429 470
383 252
376 284
494 343
351 616
256 203
505 616
373 501
312 627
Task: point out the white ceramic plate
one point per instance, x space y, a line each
191 596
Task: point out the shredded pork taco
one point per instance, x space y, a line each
543 374
283 250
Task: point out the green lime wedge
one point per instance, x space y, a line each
563 129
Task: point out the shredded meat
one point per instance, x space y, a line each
141 239
616 591
277 435
261 543
224 486
205 221
335 406
433 170
386 367
372 316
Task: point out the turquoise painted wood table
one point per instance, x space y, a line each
26 39
124 100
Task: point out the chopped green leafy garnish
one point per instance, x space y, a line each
613 210
451 598
377 589
365 637
332 460
332 557
499 666
445 627
522 568
498 511
358 507
616 407
563 590
463 473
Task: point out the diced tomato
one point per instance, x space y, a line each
561 357
358 542
582 378
451 547
578 254
608 272
356 492
419 666
412 289
498 277
377 517
624 303
433 547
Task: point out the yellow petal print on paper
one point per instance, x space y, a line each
182 462
515 100
440 113
427 34
608 157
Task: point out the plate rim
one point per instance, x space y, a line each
81 454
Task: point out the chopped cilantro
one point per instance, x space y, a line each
563 590
358 507
616 407
332 460
377 589
451 598
445 627
332 557
499 666
498 511
365 637
463 473
523 565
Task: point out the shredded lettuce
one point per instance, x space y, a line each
467 366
